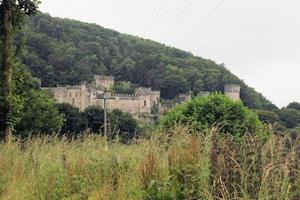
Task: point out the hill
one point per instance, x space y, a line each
64 51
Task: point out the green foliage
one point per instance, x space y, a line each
124 87
268 117
294 105
123 125
214 111
40 115
33 110
290 117
62 51
94 116
74 123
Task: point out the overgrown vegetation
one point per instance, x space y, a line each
178 165
203 113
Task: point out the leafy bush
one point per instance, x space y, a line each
33 110
215 110
95 118
74 123
120 124
123 125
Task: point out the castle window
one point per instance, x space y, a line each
73 101
70 95
76 94
145 103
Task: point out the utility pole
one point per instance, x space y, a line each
105 116
105 98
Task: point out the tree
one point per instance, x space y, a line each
123 125
124 87
294 105
12 13
33 110
40 115
90 49
74 123
214 110
290 117
268 117
95 119
174 85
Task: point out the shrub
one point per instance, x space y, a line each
74 123
214 110
123 125
95 119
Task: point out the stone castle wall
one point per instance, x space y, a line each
233 91
143 101
74 95
85 95
104 81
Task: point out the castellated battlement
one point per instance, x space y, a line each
74 87
86 94
232 88
146 91
233 91
203 93
126 96
102 78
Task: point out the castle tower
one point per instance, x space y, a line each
106 82
232 91
148 98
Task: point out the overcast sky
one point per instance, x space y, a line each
258 40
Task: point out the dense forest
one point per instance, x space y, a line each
63 51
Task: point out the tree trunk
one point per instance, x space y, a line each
7 63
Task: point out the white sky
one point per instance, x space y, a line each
258 40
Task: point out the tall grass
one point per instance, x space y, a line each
173 165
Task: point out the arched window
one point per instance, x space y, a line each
73 101
145 103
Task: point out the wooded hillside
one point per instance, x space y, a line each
63 51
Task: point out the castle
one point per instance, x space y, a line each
144 100
92 94
233 91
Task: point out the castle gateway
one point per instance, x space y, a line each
91 94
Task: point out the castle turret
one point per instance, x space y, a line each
107 82
232 91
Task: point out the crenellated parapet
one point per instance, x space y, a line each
203 93
126 96
104 78
233 91
91 93
146 91
232 88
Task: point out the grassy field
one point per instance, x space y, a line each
168 166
